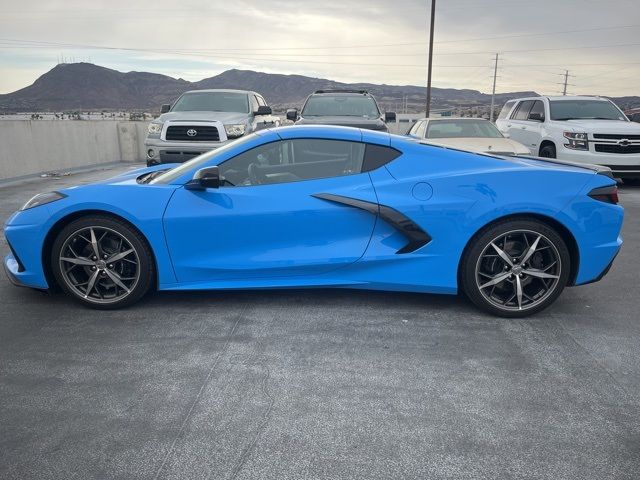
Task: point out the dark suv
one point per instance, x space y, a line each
349 108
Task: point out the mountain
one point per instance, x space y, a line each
85 86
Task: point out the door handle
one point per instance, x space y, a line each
523 128
509 125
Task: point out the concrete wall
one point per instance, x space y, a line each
29 147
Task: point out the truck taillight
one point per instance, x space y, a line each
605 194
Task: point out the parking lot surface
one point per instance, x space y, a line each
331 384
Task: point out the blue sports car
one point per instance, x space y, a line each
319 206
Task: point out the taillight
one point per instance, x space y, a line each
605 194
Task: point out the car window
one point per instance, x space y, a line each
254 103
462 129
584 109
292 161
340 105
261 101
522 110
421 129
414 128
212 102
506 109
538 107
376 156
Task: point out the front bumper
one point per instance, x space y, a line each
622 165
160 151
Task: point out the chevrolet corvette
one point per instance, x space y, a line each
320 206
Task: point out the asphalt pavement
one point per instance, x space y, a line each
320 384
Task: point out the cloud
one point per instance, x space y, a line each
349 40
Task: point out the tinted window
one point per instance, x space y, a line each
538 107
340 105
522 111
506 109
212 102
376 156
292 161
590 109
462 129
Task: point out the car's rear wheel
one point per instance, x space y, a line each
515 268
548 151
102 262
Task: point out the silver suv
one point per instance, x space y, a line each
201 120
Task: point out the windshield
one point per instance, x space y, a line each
462 129
584 109
198 161
340 106
212 102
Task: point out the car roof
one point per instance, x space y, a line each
222 90
462 119
342 92
555 98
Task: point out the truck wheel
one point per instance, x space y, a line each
548 151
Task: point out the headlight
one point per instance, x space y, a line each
42 199
235 131
577 141
155 128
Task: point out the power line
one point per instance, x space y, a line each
368 45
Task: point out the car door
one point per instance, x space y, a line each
531 127
265 220
517 124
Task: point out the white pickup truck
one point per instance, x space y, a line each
579 129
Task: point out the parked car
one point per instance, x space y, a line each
349 108
201 120
314 206
581 129
472 134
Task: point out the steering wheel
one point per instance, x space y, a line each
255 177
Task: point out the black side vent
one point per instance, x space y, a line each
417 237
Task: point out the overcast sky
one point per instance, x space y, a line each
378 41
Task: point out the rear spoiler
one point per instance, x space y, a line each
599 169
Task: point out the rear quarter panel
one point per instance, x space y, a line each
467 192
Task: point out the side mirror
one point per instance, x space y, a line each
263 110
505 135
389 116
536 117
165 108
208 177
292 114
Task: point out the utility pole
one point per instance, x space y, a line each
433 17
566 79
493 92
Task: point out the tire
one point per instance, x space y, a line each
548 151
491 282
119 275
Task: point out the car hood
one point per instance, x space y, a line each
357 122
498 146
601 126
224 117
130 176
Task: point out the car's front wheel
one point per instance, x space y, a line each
102 262
515 268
